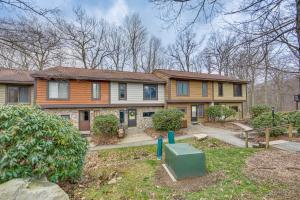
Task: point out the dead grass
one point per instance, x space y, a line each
190 184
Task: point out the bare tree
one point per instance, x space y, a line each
136 35
153 55
32 42
182 52
87 39
118 46
27 6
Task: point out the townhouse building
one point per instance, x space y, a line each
193 92
81 94
16 87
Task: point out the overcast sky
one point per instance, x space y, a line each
114 11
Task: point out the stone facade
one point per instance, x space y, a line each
142 122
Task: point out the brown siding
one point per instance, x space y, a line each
188 107
80 93
195 91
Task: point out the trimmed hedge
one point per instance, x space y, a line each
266 120
167 119
106 125
255 111
34 143
219 113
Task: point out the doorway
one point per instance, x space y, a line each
197 111
84 120
131 117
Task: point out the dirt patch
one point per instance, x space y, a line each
155 134
278 167
104 140
275 165
223 125
187 185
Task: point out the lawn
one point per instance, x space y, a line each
136 170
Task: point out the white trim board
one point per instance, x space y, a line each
169 173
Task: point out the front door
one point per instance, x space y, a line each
194 117
84 120
131 117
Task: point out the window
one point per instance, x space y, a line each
18 94
237 90
147 114
95 91
236 108
201 110
220 89
122 91
204 89
122 116
58 90
182 110
150 92
66 117
182 88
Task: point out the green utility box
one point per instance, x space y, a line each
183 160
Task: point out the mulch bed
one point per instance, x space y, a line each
104 140
277 166
155 134
187 185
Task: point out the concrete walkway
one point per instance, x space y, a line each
134 144
135 135
227 136
286 145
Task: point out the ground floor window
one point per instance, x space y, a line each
66 117
182 110
147 114
236 108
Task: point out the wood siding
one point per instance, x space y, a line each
135 94
2 94
228 92
80 92
195 91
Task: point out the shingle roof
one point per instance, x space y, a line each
197 76
95 74
15 76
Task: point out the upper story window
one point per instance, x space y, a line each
220 89
237 90
18 94
58 90
204 89
183 88
122 91
95 91
150 92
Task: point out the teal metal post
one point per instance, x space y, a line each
159 147
171 137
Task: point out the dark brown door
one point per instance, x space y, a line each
131 117
84 120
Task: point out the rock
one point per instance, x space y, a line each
200 136
30 189
112 181
121 132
